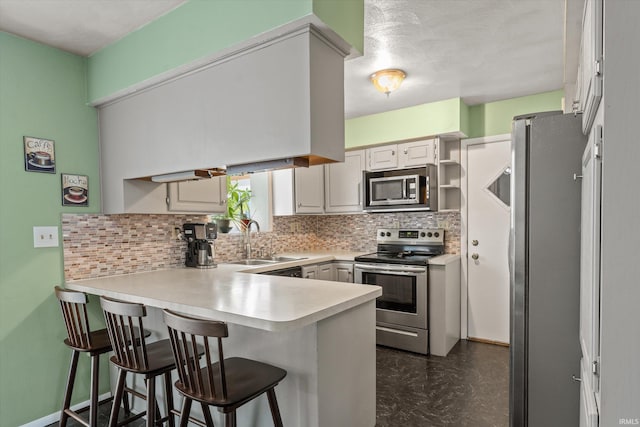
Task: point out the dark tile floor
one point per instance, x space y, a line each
469 387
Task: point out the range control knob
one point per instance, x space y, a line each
422 234
429 234
382 234
436 234
388 234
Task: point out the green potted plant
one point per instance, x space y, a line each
237 208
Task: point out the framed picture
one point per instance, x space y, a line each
75 190
39 155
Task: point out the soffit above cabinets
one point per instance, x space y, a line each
281 100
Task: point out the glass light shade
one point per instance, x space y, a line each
386 81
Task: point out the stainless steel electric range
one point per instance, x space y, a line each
400 267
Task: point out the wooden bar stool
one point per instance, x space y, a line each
81 339
124 321
226 383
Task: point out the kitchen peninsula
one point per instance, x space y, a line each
321 332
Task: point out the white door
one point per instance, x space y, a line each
488 216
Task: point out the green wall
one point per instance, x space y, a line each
200 28
494 118
418 121
451 115
42 94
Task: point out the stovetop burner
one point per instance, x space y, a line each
406 246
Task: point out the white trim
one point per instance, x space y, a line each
464 283
55 417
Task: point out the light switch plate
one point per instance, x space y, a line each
45 237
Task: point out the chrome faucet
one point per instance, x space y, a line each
247 247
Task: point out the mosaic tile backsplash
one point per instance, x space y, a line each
104 245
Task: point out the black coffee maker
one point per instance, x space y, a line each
199 248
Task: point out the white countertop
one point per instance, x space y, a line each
229 293
444 259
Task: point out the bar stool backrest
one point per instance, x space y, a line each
74 312
124 324
187 334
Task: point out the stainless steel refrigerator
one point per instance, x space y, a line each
544 262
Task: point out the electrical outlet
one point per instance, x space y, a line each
443 224
292 228
45 237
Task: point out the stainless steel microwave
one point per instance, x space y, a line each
401 189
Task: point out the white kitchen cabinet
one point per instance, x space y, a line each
207 195
383 157
343 272
444 304
283 200
325 271
404 155
309 189
298 191
310 271
343 183
590 68
417 153
448 174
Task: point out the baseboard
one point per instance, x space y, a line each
55 417
502 344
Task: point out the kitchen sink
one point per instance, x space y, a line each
285 258
264 261
254 262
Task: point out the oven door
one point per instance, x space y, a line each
404 292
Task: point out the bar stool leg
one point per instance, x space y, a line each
273 405
230 419
207 415
95 375
168 391
115 408
151 401
186 410
69 389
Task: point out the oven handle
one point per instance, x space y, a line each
408 271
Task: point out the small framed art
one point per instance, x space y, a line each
39 155
75 190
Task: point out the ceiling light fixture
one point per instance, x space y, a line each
386 81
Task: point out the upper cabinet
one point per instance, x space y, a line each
384 157
309 189
207 195
417 153
289 89
343 183
405 155
590 68
334 188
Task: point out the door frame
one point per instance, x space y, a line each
464 256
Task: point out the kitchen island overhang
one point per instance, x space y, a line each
321 332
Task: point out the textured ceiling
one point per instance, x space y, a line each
79 26
479 50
